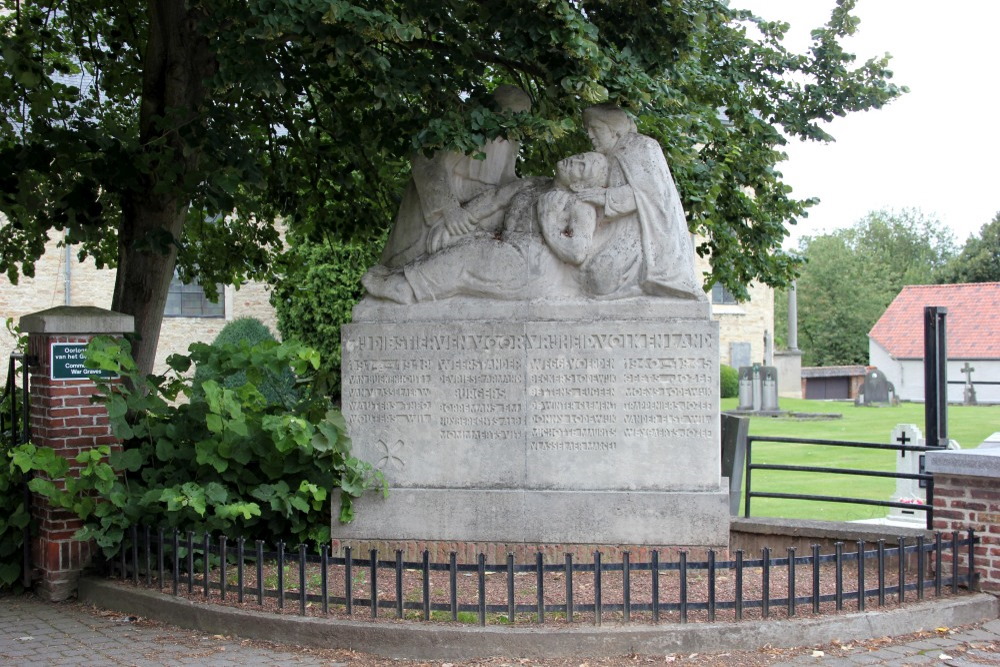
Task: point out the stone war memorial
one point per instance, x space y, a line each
535 362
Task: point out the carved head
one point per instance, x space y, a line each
606 124
586 170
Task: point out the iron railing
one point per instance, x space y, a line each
926 480
14 422
15 429
214 567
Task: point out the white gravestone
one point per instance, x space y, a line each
910 491
547 370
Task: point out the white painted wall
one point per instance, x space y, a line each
908 376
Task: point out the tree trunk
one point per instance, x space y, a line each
176 62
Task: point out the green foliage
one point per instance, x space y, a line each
13 521
223 460
979 260
853 274
299 110
729 381
244 333
318 287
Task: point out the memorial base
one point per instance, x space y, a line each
562 517
556 423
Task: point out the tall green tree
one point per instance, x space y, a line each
979 260
852 275
174 132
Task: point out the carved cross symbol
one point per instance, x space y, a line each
902 439
390 459
967 370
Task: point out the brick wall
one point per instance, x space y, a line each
962 503
967 497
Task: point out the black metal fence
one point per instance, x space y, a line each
675 590
14 422
926 481
15 429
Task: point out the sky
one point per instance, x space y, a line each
935 148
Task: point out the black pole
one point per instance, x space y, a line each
935 377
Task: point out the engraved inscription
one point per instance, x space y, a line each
583 394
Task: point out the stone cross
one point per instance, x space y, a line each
908 490
969 392
967 370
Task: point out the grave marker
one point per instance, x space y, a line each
910 491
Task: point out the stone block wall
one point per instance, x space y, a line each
746 322
90 286
967 496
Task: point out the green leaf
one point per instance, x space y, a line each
128 459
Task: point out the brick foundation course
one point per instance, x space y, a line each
496 552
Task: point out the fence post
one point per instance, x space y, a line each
935 377
63 418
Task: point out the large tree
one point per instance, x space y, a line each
979 260
168 131
853 274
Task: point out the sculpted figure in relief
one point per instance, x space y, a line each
546 230
432 212
610 226
644 243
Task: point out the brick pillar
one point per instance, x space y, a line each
62 417
967 496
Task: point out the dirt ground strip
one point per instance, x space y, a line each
555 589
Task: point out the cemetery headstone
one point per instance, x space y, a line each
909 491
769 389
745 388
522 374
876 388
739 354
757 389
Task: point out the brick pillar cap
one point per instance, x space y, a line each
77 320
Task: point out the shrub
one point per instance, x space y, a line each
224 460
320 284
729 381
278 387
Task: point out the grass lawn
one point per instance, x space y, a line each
968 425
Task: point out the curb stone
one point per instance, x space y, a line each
436 642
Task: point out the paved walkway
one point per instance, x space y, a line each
978 645
38 633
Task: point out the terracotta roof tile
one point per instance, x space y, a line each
972 323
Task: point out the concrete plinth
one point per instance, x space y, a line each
575 423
